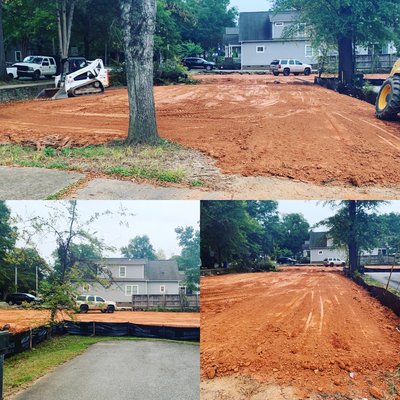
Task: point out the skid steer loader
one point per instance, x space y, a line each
388 100
78 78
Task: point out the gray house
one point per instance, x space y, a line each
129 277
320 246
261 35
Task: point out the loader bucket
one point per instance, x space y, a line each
52 94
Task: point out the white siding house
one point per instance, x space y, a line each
129 277
320 246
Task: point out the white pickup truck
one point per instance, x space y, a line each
36 66
12 73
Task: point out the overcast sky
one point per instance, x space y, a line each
316 211
157 219
251 5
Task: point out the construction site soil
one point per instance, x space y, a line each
253 125
21 320
311 330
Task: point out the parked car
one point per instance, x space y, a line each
230 64
12 73
286 260
289 66
91 302
332 262
198 63
36 66
19 298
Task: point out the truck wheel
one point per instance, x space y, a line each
388 101
36 75
286 72
110 309
10 77
307 71
276 73
84 309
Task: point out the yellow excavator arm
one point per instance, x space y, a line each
396 68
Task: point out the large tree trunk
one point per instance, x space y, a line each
346 64
139 20
3 69
65 16
352 239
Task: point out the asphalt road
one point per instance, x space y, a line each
384 276
126 370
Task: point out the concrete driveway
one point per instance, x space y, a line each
126 370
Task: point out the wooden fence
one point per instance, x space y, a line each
173 302
379 260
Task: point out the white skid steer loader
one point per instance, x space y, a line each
78 78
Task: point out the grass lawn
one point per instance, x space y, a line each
23 369
372 282
166 162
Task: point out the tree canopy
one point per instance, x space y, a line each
345 24
139 247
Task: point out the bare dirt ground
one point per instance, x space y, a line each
21 320
306 330
253 125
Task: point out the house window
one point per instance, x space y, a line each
309 51
131 289
278 23
260 49
320 252
122 272
18 56
162 288
182 289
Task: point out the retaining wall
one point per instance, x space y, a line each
22 92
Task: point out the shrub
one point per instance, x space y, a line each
170 71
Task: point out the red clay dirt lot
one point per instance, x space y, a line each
303 330
250 124
21 320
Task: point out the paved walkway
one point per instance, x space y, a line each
39 183
146 370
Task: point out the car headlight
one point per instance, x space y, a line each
30 69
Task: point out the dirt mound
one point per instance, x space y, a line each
22 320
313 330
253 125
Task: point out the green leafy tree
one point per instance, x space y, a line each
345 24
189 260
26 263
295 231
211 17
3 69
226 229
71 232
139 247
356 226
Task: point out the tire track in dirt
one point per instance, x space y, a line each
305 328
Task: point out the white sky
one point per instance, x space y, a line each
251 5
157 219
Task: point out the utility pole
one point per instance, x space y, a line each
37 280
16 279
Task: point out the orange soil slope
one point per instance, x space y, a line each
304 328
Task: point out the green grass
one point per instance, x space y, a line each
372 282
143 162
24 368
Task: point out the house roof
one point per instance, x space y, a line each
318 240
284 16
162 270
254 26
232 31
124 261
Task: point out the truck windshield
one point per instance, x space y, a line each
33 60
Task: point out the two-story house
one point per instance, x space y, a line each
320 246
262 39
127 277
